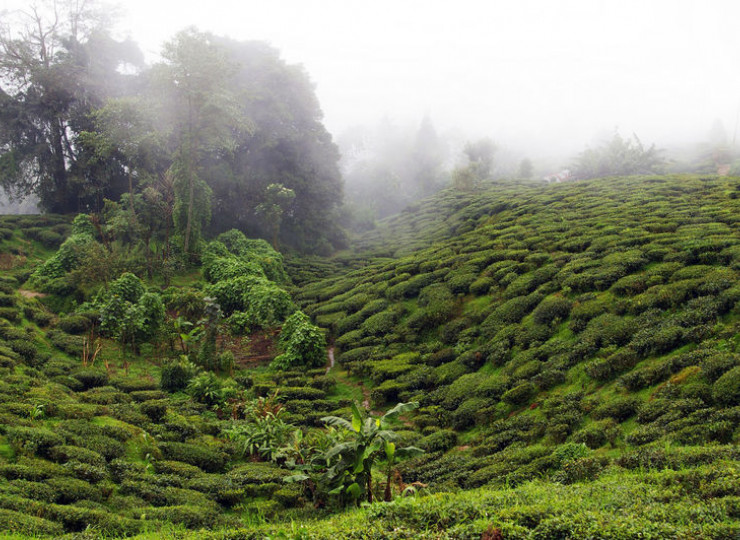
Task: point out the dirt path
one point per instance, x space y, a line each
31 294
330 355
365 391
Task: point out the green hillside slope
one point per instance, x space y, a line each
574 349
602 312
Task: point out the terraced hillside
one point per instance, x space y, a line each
604 313
574 349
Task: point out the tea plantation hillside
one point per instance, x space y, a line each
602 313
520 362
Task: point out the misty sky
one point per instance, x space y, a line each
554 74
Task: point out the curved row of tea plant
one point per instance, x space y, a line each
604 312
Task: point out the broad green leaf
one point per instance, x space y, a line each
337 421
295 478
390 450
400 409
354 490
356 418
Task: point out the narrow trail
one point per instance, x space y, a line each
365 391
330 354
31 294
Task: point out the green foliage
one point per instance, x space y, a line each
304 344
208 389
261 435
208 459
519 395
176 375
726 390
618 157
349 464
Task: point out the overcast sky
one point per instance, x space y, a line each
549 73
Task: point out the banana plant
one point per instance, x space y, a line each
350 463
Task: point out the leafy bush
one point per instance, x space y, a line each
619 408
380 323
726 390
519 395
90 378
208 459
208 389
439 440
74 324
304 344
266 304
21 523
28 441
176 376
552 309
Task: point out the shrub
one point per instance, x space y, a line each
191 516
620 408
256 473
519 395
266 304
657 339
459 283
447 373
460 390
177 468
493 387
597 434
586 310
387 392
69 490
468 412
726 389
31 440
443 356
63 454
74 324
511 311
605 369
90 378
551 310
410 287
134 384
380 323
10 314
481 286
304 344
72 345
548 378
439 440
176 375
20 523
155 409
208 389
580 470
300 392
209 459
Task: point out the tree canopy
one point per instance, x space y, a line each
217 121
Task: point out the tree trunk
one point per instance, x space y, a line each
189 223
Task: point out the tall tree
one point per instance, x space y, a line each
57 62
427 158
618 157
287 144
202 117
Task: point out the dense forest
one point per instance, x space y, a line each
219 134
202 337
